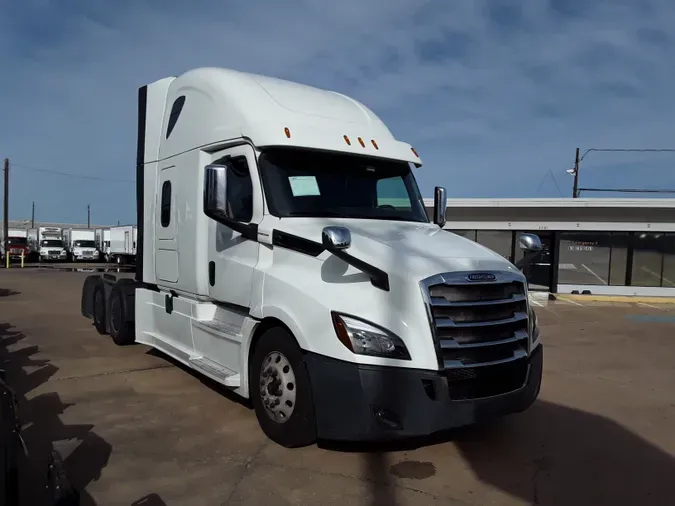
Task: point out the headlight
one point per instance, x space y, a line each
534 333
365 338
43 252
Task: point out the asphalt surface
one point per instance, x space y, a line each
138 429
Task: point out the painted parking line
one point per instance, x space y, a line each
651 318
594 274
657 276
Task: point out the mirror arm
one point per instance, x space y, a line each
527 259
247 230
378 277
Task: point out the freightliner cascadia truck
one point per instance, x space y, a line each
285 252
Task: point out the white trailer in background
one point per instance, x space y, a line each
102 238
80 244
123 244
46 243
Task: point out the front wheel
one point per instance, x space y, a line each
280 390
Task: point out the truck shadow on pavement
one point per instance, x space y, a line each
85 453
7 292
550 455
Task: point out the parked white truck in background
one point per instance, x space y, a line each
102 238
123 244
285 252
80 244
46 243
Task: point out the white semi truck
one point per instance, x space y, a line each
102 238
80 244
123 244
285 252
46 244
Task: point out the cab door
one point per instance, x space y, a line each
232 258
166 254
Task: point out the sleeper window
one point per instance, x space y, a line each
166 204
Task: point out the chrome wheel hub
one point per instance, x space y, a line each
277 387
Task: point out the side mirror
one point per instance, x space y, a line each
529 243
336 238
215 190
215 202
440 206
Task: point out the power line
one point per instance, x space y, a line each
69 174
625 190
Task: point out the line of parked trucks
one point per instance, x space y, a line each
56 244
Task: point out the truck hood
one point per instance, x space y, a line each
418 249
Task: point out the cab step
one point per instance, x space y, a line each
216 371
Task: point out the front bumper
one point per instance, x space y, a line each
358 402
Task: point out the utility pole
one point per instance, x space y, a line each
5 223
32 217
575 191
88 216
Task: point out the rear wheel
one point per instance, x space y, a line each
280 390
121 331
99 309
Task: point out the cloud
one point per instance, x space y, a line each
492 93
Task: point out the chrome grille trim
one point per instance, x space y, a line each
478 323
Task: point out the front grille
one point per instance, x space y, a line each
481 332
53 252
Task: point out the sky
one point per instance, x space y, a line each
495 95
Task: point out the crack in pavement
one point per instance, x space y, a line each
112 373
250 463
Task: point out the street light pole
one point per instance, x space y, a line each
575 190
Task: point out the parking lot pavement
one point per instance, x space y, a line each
142 430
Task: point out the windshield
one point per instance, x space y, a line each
310 183
85 244
17 241
52 242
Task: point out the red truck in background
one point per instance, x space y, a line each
18 244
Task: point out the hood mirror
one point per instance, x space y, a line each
529 243
336 238
440 206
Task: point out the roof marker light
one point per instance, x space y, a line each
374 144
287 132
363 144
415 152
349 143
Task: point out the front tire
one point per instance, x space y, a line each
121 331
280 389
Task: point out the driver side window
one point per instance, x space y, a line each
239 189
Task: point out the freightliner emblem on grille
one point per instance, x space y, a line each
481 276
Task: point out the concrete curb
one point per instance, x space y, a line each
616 298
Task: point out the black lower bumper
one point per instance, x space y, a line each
357 402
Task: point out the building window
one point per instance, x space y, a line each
618 258
651 250
499 241
584 258
669 261
165 215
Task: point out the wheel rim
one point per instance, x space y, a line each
98 306
277 387
115 316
